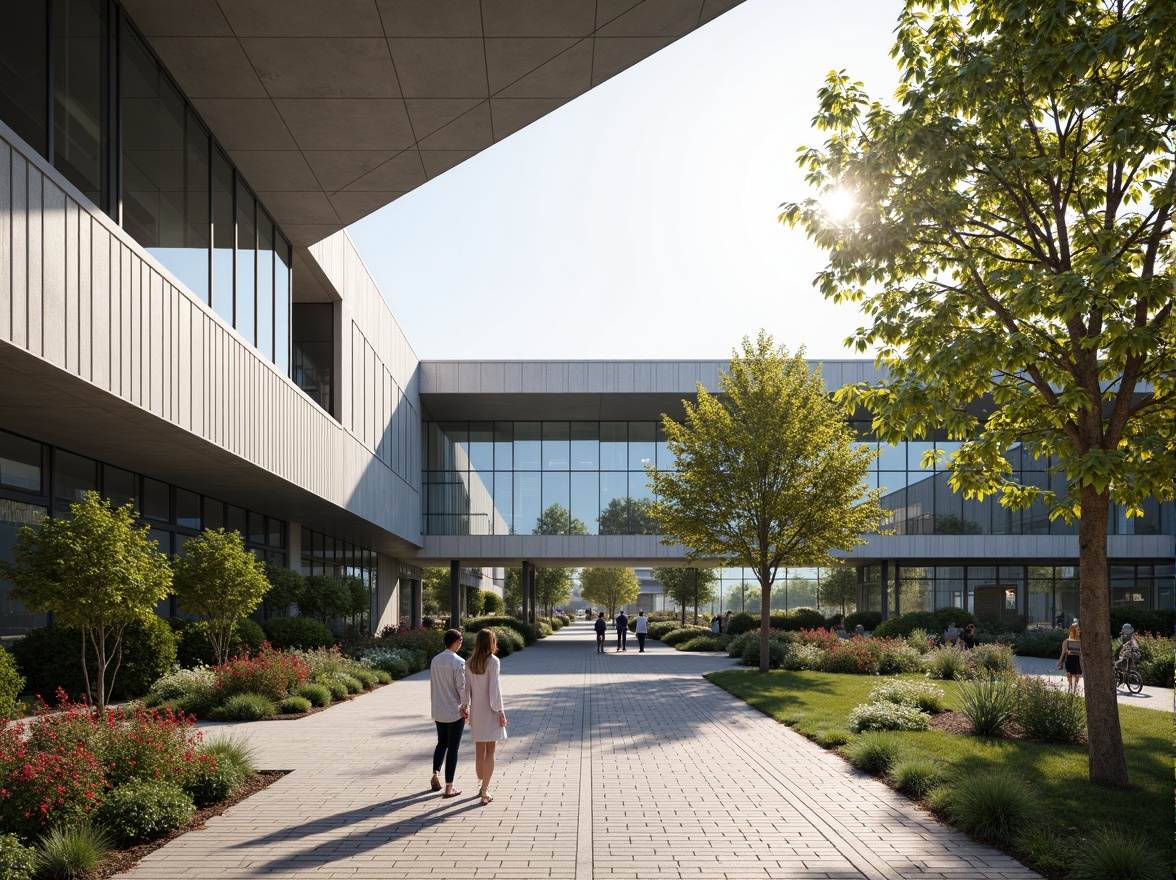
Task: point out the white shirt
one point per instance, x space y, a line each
642 624
448 686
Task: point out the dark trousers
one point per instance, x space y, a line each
641 642
621 633
448 739
600 643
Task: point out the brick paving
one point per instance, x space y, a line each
618 766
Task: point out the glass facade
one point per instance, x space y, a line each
335 558
521 478
119 129
37 479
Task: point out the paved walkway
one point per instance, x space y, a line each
1150 697
618 766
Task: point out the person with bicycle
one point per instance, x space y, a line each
1129 651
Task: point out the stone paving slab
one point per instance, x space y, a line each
619 767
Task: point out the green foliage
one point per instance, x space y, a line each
475 601
1047 850
919 640
194 647
994 807
298 632
11 686
885 715
221 582
767 472
688 588
831 737
1115 853
742 622
949 664
285 588
1156 659
989 702
324 597
777 654
874 752
1039 644
798 619
94 571
398 663
147 651
895 656
491 603
995 659
337 689
915 775
920 694
244 707
529 633
1047 712
294 705
353 684
609 587
316 694
868 619
702 643
628 516
142 809
1158 622
684 634
509 640
17 861
183 684
840 588
738 644
222 765
72 851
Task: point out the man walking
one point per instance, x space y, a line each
601 627
642 629
450 694
622 623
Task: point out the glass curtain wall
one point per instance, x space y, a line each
81 86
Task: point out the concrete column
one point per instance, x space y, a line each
294 546
386 598
417 605
887 568
455 594
531 591
524 577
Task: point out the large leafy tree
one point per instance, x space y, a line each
687 587
768 472
609 587
95 572
839 588
1012 245
221 582
628 516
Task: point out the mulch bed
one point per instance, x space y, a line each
125 859
956 723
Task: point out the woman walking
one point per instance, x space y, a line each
487 718
1071 658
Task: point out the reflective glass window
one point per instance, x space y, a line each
187 509
892 458
503 446
556 446
246 315
265 286
119 486
585 437
276 531
281 303
614 503
190 260
214 513
556 491
614 451
235 520
504 500
23 60
81 118
73 476
527 501
482 447
256 528
528 452
223 237
585 504
20 463
156 500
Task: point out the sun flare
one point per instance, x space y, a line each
839 204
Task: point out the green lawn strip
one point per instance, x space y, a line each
815 702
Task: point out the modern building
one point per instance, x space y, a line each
184 322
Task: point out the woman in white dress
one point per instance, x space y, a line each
487 718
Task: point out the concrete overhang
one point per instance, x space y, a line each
334 108
1038 549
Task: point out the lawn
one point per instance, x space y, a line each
814 703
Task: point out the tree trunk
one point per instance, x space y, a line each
1107 762
765 618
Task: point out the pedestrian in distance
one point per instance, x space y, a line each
642 629
450 697
968 636
952 635
601 629
716 625
487 714
727 622
622 623
1071 658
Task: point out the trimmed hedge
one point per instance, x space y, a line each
194 648
529 633
306 633
868 619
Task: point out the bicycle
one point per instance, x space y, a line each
1129 678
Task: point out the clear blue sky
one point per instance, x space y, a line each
639 221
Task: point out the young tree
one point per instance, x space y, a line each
839 588
686 587
95 572
221 582
553 586
435 590
628 516
609 587
325 597
285 589
768 472
1013 244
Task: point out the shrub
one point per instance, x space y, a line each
142 809
920 694
989 703
223 765
949 664
874 752
777 654
905 624
142 744
1039 644
919 639
798 619
1155 664
381 676
994 807
315 694
868 619
244 707
17 861
915 775
742 622
1158 622
1046 712
701 643
896 656
529 633
182 684
11 687
856 656
885 715
996 659
298 632
738 644
294 705
509 640
270 672
491 603
831 737
396 663
194 648
1115 854
544 628
72 851
337 689
353 684
662 628
420 642
684 634
367 677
